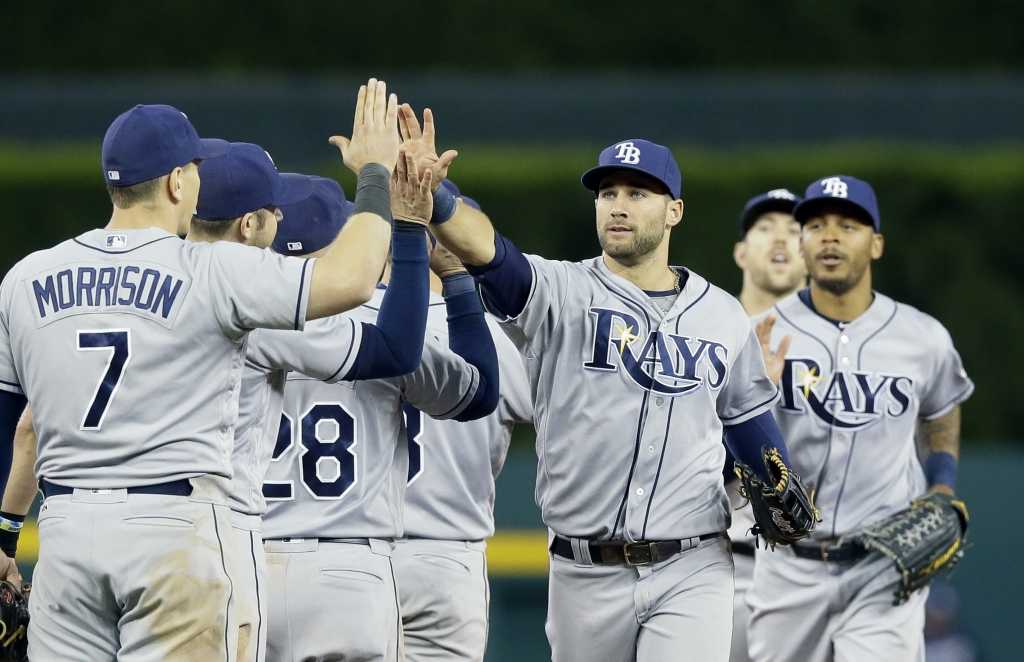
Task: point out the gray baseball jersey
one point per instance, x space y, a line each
851 397
452 465
338 469
325 350
130 344
630 401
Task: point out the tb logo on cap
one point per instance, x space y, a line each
835 187
628 153
783 194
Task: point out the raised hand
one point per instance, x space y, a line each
774 363
411 198
443 262
375 129
420 143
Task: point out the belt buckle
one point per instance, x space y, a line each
638 553
827 549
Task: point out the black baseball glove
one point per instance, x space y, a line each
13 622
783 512
923 541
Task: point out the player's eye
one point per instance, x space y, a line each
637 194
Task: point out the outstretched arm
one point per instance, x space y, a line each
468 233
394 345
18 497
346 276
468 335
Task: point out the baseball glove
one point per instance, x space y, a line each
13 622
923 541
783 512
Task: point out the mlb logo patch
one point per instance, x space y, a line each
295 245
117 241
113 175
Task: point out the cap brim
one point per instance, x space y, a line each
806 209
592 178
212 147
293 189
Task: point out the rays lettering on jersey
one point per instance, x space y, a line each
141 289
664 363
850 400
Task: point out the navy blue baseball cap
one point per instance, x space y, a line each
312 223
147 142
639 155
450 185
242 180
842 189
780 199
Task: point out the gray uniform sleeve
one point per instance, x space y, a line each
252 288
325 350
544 306
748 391
515 404
443 385
949 384
9 380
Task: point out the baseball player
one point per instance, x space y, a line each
332 348
861 371
768 252
336 485
636 370
127 342
440 566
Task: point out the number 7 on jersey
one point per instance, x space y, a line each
119 343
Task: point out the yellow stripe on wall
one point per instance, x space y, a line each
28 542
518 553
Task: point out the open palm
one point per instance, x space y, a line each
419 144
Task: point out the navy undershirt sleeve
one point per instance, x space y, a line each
394 346
470 338
744 440
11 407
506 280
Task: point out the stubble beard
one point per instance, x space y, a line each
633 253
841 285
764 281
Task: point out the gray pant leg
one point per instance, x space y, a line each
591 613
444 598
685 606
249 577
791 605
148 569
871 627
743 577
332 601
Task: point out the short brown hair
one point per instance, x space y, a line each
129 196
218 229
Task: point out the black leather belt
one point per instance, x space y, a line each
174 488
620 552
845 552
743 548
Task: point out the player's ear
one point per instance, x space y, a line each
877 246
739 254
245 226
674 213
175 185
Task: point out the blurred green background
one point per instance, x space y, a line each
922 98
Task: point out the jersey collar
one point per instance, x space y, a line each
122 241
693 289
